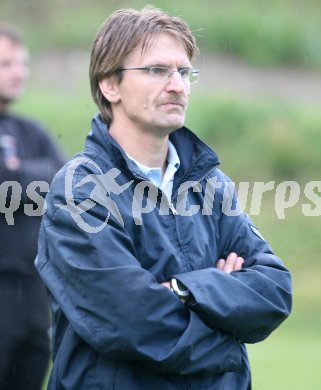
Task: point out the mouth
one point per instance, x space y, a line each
174 105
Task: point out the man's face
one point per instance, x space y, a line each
148 103
13 70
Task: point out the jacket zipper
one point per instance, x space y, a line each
174 196
172 208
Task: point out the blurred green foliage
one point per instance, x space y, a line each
271 139
274 32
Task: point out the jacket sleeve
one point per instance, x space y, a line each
249 303
118 307
44 161
47 160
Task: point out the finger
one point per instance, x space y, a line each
230 263
238 263
220 264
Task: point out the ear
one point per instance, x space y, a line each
109 88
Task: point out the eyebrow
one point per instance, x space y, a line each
163 65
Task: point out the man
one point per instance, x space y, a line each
28 161
153 286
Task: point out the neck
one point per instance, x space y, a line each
149 148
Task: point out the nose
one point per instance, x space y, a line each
175 82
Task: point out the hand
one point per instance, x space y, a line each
166 284
12 163
232 263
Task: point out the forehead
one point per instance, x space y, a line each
163 48
10 48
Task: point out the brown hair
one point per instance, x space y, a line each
10 32
122 32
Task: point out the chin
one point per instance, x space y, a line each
169 124
176 123
169 128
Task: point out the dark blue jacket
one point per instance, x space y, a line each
103 256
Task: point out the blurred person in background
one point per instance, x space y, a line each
153 285
27 155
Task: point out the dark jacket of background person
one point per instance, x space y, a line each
24 325
40 161
116 326
28 161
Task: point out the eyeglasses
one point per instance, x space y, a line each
161 73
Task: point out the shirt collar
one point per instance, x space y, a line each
155 174
172 156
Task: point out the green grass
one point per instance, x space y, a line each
286 361
290 357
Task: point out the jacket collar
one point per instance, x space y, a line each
196 158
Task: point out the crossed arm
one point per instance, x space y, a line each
161 331
232 263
